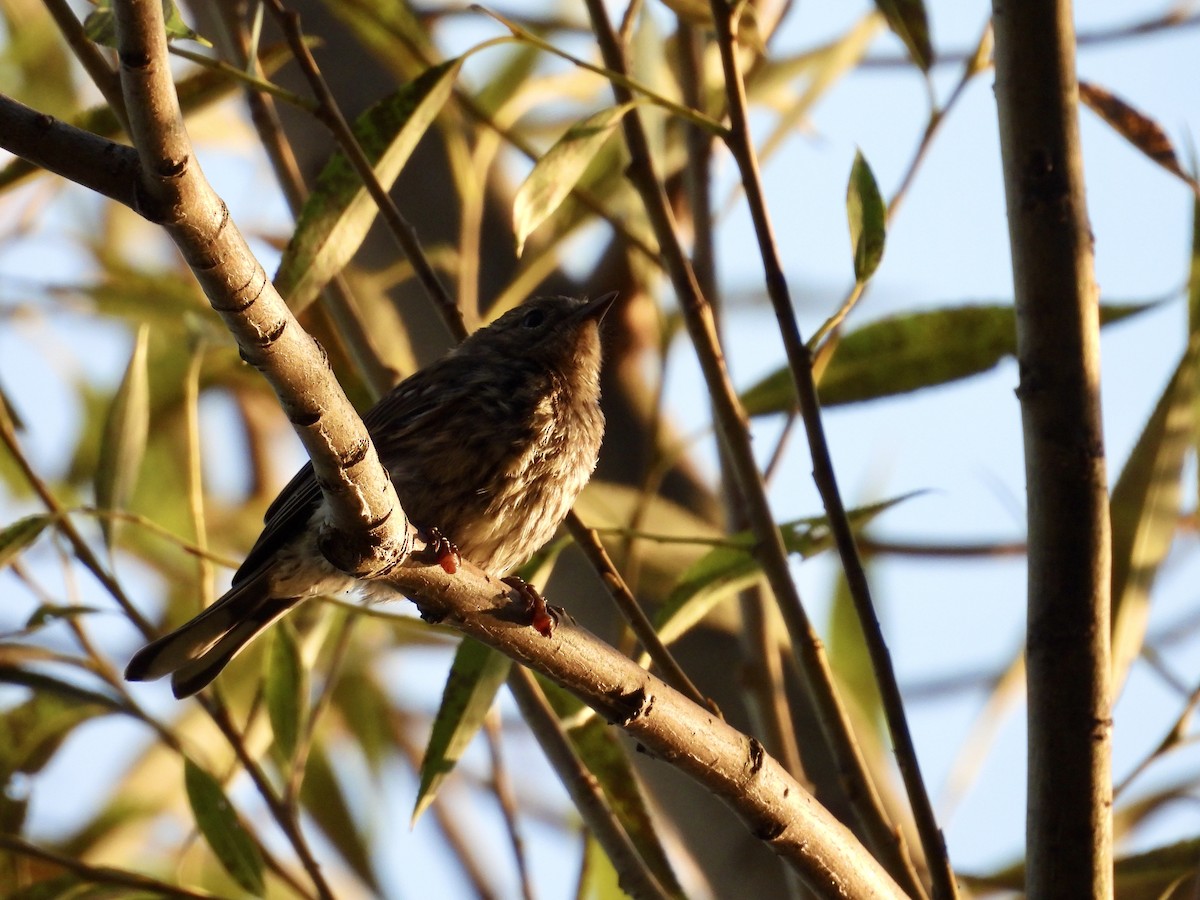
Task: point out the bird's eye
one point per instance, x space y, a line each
533 318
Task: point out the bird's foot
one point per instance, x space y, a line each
441 550
542 617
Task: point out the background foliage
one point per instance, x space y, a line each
131 424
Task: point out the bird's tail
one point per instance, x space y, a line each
196 652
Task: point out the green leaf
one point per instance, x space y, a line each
908 20
100 26
475 676
20 534
598 879
729 568
219 824
848 655
607 760
32 731
124 441
775 79
339 212
560 168
285 689
908 352
48 612
1145 511
867 215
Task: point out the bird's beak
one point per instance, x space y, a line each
595 309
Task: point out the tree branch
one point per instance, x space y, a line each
1069 826
362 536
771 803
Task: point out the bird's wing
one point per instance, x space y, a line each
289 513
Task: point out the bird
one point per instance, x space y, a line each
488 447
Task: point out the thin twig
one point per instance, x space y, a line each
99 874
90 57
339 303
800 362
732 428
507 800
330 114
632 611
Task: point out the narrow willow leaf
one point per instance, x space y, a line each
219 824
285 689
1145 510
729 568
48 613
1139 129
31 732
849 658
339 212
606 758
908 20
823 68
20 534
560 168
475 676
597 877
867 215
908 352
124 441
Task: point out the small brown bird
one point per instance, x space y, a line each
488 447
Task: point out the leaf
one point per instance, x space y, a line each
908 352
605 756
475 675
196 92
727 569
824 67
560 168
219 824
908 20
1145 510
100 26
32 731
867 215
339 212
598 878
849 657
124 441
48 612
20 534
285 689
1140 130
608 761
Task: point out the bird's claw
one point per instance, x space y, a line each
542 617
442 551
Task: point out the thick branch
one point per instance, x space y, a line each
665 724
174 193
1069 828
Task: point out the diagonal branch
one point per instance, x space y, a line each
362 535
666 725
734 433
800 364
